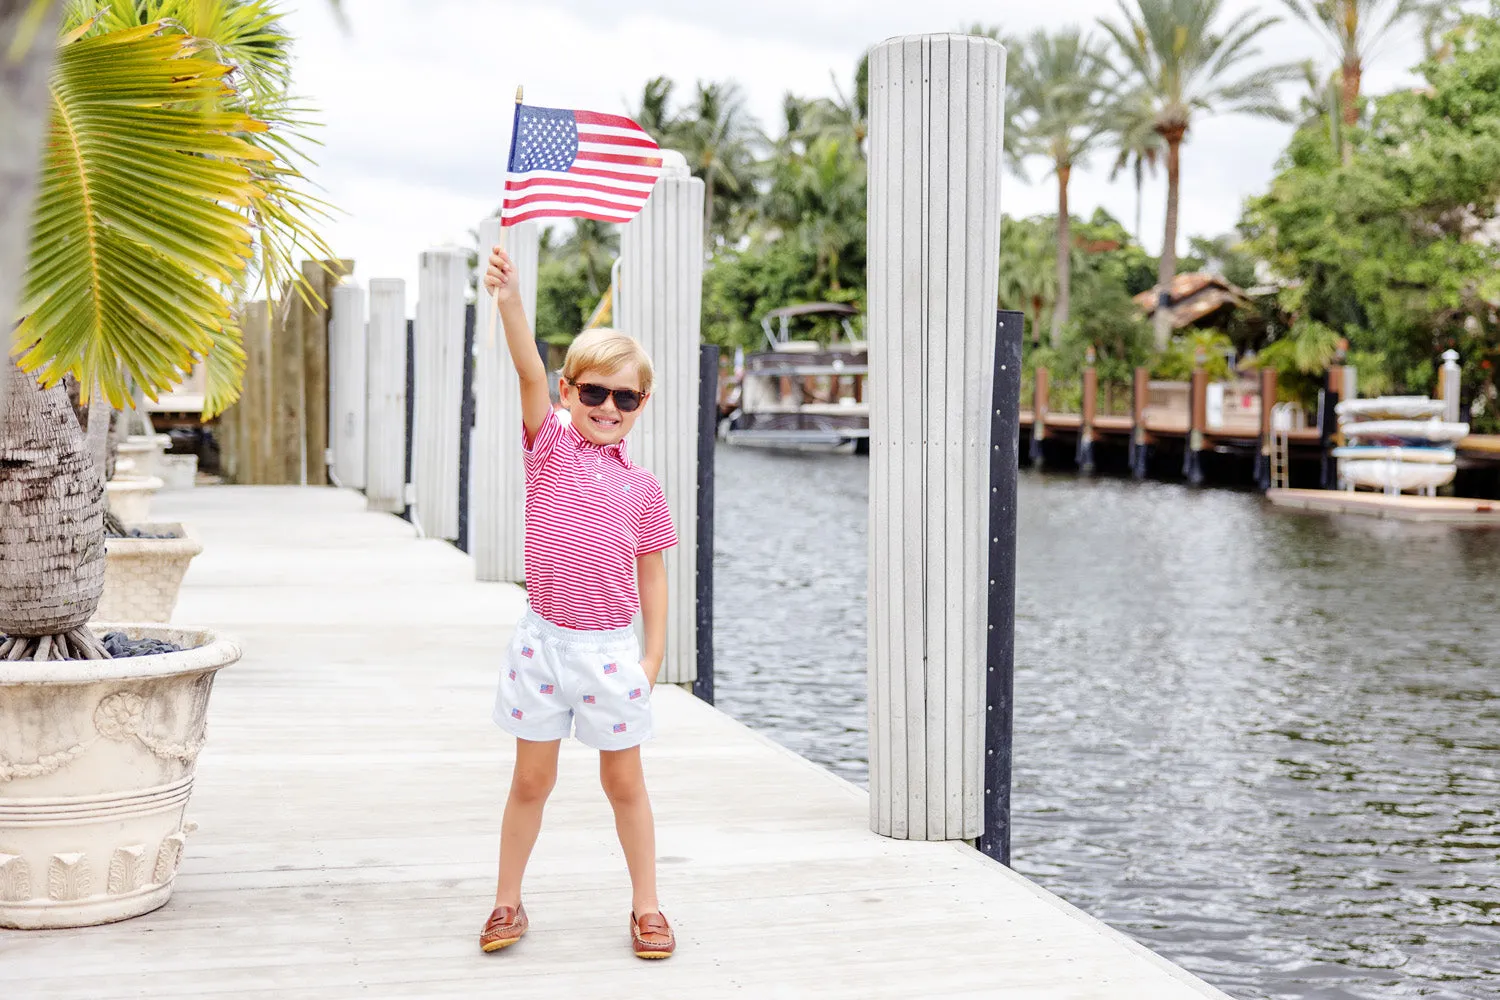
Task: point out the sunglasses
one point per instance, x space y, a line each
626 400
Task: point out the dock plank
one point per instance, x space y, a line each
349 804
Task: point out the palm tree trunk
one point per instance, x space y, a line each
1140 180
708 209
52 508
1168 265
1064 256
24 104
96 435
1351 73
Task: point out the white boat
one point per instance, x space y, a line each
1398 432
800 394
1393 476
1419 455
1390 408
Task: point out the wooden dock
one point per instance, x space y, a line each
349 806
1449 510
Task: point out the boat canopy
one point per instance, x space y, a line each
786 314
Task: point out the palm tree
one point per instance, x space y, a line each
1354 30
1027 281
26 28
594 245
830 189
1323 100
719 138
1061 117
1014 70
1137 143
154 182
843 117
654 111
1183 62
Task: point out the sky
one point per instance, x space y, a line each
415 98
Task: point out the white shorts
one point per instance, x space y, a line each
555 679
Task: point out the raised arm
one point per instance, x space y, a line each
500 280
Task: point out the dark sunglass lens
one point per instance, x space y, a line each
592 395
627 400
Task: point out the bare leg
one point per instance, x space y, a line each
530 784
625 784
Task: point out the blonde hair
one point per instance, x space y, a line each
605 350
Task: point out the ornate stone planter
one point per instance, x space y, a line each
142 575
141 453
147 451
130 496
177 472
96 765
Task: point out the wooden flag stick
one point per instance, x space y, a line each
494 312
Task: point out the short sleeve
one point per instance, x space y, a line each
655 532
542 445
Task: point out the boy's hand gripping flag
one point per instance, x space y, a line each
577 164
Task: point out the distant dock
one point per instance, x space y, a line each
1447 510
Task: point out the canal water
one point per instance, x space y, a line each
1265 745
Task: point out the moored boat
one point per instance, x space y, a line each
798 393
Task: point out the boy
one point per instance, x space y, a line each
596 526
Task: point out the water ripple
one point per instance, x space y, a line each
1265 745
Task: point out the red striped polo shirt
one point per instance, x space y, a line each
589 514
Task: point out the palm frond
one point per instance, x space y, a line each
224 369
140 221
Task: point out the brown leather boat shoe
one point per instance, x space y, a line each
651 936
504 928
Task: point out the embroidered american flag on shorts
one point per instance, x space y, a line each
577 164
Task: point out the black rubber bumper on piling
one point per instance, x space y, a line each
411 403
466 411
708 419
1000 639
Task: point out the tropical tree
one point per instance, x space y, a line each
826 195
1138 146
26 28
154 198
719 137
1028 282
654 113
1186 64
1061 117
594 246
1392 251
1010 138
843 117
1354 30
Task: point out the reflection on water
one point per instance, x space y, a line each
1266 745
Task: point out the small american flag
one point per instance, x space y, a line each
572 164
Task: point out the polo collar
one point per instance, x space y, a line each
582 443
